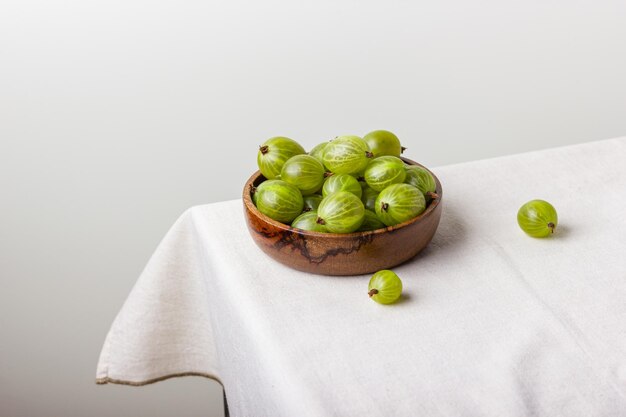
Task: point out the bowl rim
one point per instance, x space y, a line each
251 207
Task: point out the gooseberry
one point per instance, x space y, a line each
385 287
371 222
318 151
311 202
369 198
383 142
274 152
305 172
342 182
399 203
308 221
279 200
385 171
341 212
537 218
346 155
422 179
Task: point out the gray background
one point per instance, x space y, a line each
117 115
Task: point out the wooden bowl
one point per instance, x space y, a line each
341 254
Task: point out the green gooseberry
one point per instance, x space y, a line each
422 179
341 212
346 155
273 154
383 142
318 151
305 172
385 171
369 198
371 222
308 221
279 200
399 203
537 218
385 287
312 202
342 182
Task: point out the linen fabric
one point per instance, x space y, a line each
492 322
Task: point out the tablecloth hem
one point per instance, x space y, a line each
108 380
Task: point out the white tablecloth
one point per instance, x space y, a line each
493 322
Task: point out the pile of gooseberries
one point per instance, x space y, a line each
349 184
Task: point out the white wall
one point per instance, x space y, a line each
117 115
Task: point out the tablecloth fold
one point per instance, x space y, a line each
163 330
